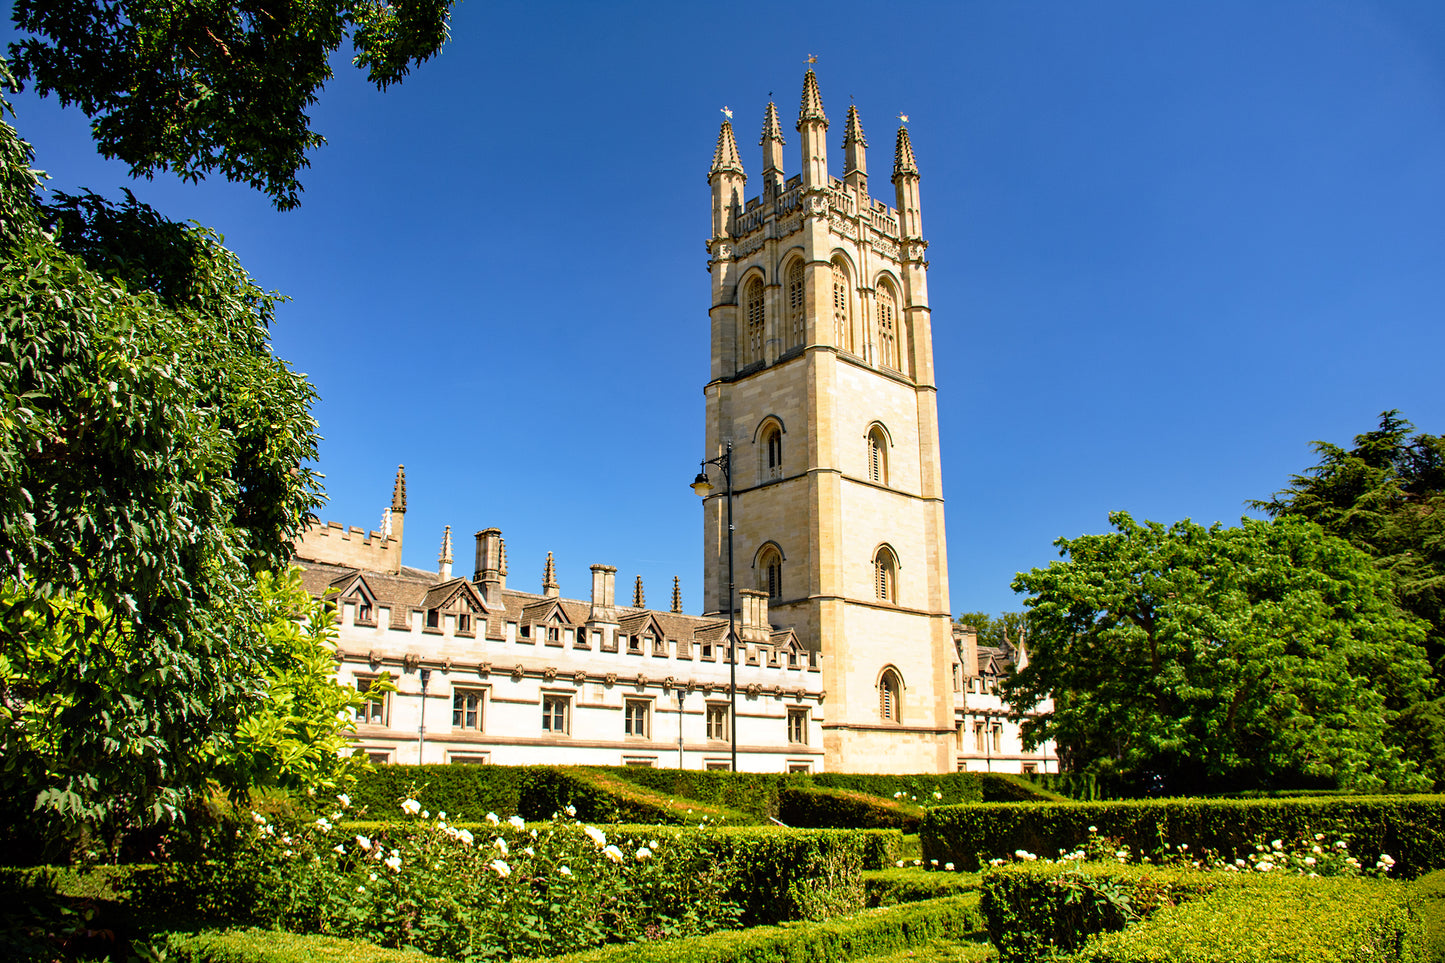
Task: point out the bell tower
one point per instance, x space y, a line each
822 381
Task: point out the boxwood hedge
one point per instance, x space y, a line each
1409 828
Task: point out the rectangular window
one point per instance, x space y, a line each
640 762
707 650
798 726
378 758
717 721
525 631
467 709
979 744
555 710
634 644
1030 767
468 758
955 677
717 765
433 618
554 635
464 622
372 712
634 712
958 737
997 738
799 767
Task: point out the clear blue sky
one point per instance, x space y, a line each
1171 244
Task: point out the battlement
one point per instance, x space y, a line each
335 544
841 200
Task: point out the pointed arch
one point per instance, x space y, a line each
795 315
754 320
769 438
890 694
885 574
842 303
768 563
878 443
888 326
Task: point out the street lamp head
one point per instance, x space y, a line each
701 485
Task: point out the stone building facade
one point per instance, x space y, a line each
821 404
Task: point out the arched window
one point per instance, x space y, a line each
885 576
770 572
877 456
753 315
797 326
889 691
773 456
842 319
887 327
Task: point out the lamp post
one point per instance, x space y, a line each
421 729
703 487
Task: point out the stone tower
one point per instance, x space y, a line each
822 381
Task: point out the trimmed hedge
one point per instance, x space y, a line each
876 932
272 946
1036 911
597 793
755 793
889 887
841 808
1409 828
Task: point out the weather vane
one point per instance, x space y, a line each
903 118
727 112
812 59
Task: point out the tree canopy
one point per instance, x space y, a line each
1267 654
197 86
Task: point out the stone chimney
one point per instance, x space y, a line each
755 627
968 650
604 594
491 570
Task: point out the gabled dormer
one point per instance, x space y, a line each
456 597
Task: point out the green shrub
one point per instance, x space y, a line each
1409 828
889 887
1275 920
845 809
882 848
271 946
869 933
1005 787
924 789
755 793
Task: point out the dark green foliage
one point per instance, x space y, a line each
271 946
872 933
952 787
812 807
1005 787
1429 893
1193 659
1176 916
152 454
214 85
750 792
1409 828
889 887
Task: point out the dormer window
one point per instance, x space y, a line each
464 622
525 631
634 644
433 618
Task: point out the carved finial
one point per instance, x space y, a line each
386 523
445 558
903 160
726 158
853 131
677 595
502 550
812 107
549 576
771 129
398 491
638 601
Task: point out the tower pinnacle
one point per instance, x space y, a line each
676 594
444 560
903 160
772 144
639 601
813 125
812 107
725 158
855 165
398 492
549 578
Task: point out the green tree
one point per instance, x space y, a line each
1269 654
1386 496
196 86
1004 630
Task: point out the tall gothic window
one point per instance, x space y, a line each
887 328
753 313
889 690
773 453
770 573
842 320
877 456
797 326
885 576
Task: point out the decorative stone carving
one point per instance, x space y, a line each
750 244
374 657
579 677
800 693
411 660
753 690
816 205
790 225
549 673
641 680
610 678
668 683
517 673
839 224
447 664
484 669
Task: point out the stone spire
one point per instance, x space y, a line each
444 560
398 492
676 595
725 158
812 107
549 579
502 548
638 600
813 125
905 185
903 160
855 165
772 144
